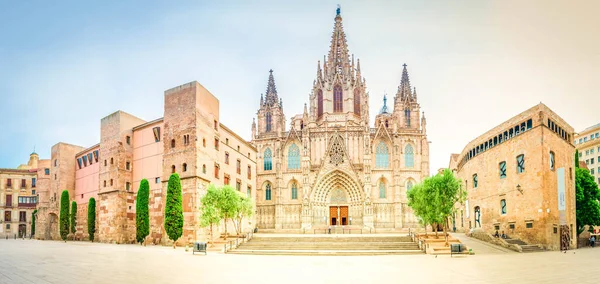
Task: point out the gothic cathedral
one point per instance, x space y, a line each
332 168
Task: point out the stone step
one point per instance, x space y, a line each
330 247
322 252
320 239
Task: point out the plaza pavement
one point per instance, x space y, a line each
31 261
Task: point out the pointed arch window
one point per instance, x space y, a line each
294 157
268 192
382 159
338 99
320 103
356 102
382 190
409 156
268 118
407 117
268 157
294 190
409 185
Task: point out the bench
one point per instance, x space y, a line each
199 247
457 248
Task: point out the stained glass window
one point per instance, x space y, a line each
409 185
382 159
268 164
409 156
294 157
338 99
382 191
407 117
356 101
294 191
320 103
268 192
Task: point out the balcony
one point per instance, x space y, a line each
27 205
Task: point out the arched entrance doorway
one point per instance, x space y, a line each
22 230
337 200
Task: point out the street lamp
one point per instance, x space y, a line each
519 188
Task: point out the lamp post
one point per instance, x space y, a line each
350 221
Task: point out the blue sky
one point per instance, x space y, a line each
65 64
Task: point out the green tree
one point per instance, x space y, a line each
33 215
64 215
73 217
228 204
91 218
209 211
245 209
142 217
577 159
173 209
587 196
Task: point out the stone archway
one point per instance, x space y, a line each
337 196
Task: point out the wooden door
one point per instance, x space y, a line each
9 200
344 215
333 215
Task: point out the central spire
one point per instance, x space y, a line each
271 95
338 60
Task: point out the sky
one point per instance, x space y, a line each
64 65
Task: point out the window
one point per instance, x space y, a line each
7 216
409 156
511 226
56 162
409 185
203 142
55 177
105 163
156 131
23 183
95 156
238 148
127 165
477 217
104 183
528 225
157 180
90 159
592 171
217 144
520 163
382 159
33 182
33 192
79 163
226 158
238 185
249 191
503 206
127 186
203 169
216 170
47 171
551 160
320 103
112 162
173 169
294 157
268 121
227 141
249 172
184 166
216 125
382 191
186 139
475 181
555 229
268 160
8 201
338 99
356 101
111 182
238 166
8 182
294 190
172 143
503 169
128 139
226 179
407 117
85 161
268 192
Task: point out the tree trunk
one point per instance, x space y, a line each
446 233
225 228
435 228
212 241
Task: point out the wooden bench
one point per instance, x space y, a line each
199 247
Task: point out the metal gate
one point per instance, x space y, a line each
565 237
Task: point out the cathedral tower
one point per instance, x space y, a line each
270 114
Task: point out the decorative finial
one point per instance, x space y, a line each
338 10
271 70
404 65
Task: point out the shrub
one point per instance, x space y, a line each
142 218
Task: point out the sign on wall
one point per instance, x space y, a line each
468 208
562 198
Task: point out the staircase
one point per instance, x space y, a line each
328 245
524 246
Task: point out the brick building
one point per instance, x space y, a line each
519 177
588 144
188 140
19 196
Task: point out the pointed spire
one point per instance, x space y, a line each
404 90
338 58
358 75
262 100
271 95
305 109
384 109
414 94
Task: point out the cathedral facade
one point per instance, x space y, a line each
332 167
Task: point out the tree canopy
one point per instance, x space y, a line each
174 209
142 217
587 196
64 215
73 217
91 218
210 214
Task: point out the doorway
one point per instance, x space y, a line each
338 215
22 230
